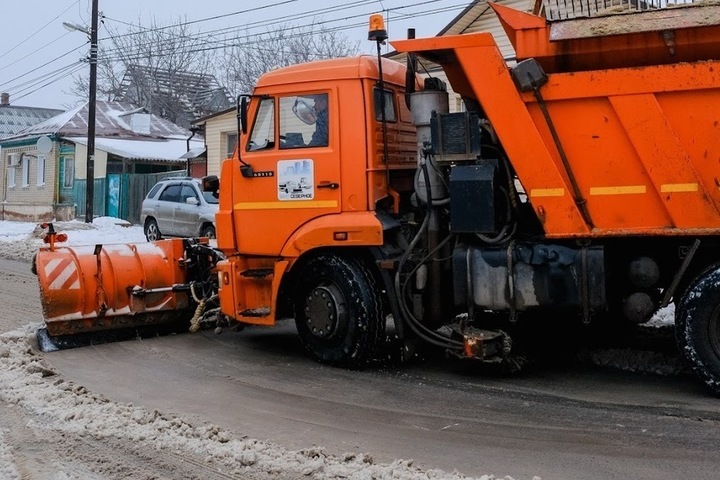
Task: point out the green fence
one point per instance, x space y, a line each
133 188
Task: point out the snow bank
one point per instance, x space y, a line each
8 470
20 240
62 406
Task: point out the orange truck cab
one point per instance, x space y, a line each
289 193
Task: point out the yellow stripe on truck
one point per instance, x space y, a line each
547 192
285 205
619 190
678 187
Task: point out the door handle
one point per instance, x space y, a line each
330 185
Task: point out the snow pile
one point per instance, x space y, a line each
61 406
20 240
663 317
8 470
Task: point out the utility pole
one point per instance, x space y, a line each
90 165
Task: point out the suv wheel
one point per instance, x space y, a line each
152 232
208 231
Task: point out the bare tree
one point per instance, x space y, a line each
138 66
251 55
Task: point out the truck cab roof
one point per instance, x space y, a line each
363 66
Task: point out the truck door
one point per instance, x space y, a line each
293 149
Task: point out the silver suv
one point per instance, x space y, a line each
178 207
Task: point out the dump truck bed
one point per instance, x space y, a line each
641 141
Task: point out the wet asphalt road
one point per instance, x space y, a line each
559 422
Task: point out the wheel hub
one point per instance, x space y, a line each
325 310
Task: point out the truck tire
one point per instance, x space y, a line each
697 327
152 232
339 311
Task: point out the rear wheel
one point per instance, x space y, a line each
152 232
339 311
208 231
697 327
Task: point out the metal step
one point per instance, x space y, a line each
256 312
257 272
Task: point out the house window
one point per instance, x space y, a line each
230 143
11 177
25 171
41 170
68 171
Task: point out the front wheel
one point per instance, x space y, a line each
697 327
152 232
339 311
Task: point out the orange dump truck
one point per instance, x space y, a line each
582 182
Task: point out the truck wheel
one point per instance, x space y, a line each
339 311
697 327
152 232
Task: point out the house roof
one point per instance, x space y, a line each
166 92
14 118
169 150
112 119
204 119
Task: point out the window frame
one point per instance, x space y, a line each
11 174
228 149
376 105
25 171
68 160
256 128
41 161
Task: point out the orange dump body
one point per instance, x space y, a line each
641 141
81 291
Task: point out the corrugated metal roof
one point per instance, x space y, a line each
14 119
112 119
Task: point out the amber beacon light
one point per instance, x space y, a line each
377 30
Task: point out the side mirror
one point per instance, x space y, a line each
242 113
210 183
192 201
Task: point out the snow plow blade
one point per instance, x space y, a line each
86 290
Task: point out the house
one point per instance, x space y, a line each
221 136
180 97
14 118
132 148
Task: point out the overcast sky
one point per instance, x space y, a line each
38 56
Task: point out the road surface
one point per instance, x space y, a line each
576 422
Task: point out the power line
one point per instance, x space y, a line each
220 44
80 67
43 65
38 30
40 77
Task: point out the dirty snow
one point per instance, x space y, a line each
62 406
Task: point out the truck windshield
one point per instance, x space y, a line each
263 130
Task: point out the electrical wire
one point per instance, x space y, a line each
32 35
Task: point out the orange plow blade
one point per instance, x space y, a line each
106 287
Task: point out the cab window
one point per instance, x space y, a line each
263 131
304 121
390 114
